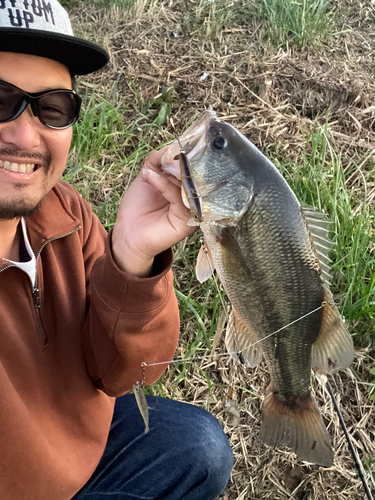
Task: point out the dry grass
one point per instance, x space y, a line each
275 97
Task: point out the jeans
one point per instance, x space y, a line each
185 454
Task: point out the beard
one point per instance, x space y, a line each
23 207
12 211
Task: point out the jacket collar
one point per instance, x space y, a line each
52 220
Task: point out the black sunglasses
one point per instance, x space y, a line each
56 109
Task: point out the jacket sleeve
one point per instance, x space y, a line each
129 320
141 320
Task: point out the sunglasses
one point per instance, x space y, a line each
57 109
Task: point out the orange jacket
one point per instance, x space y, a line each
69 348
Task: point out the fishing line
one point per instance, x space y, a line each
350 443
228 354
328 385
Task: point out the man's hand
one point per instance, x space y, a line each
151 218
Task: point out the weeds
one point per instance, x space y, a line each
106 153
212 16
320 182
305 22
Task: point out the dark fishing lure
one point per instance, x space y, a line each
190 186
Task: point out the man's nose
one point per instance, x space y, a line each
23 132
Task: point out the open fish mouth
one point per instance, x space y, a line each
193 142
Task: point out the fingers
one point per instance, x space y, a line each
168 189
153 160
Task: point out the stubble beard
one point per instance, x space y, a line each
12 211
15 209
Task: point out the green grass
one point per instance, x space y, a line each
319 181
304 22
211 17
108 148
284 22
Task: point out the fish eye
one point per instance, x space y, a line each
219 142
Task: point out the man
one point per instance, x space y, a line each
80 312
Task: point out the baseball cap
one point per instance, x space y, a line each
43 28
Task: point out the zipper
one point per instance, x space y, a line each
36 301
35 289
6 267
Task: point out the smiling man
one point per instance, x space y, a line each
80 310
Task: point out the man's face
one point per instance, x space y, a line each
26 141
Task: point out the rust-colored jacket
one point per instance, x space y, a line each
66 353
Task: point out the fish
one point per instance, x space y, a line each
271 256
142 404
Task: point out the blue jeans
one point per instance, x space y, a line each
185 455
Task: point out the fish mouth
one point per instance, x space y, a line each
193 142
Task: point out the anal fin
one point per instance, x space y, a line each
239 340
333 349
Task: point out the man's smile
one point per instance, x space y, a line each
18 166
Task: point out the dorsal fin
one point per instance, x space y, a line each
318 226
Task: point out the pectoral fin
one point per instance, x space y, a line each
239 340
204 268
333 349
191 222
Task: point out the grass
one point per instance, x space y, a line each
105 152
304 22
121 4
212 16
320 181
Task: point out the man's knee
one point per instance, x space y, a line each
212 446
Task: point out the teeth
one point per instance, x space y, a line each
17 167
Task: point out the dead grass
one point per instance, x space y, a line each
275 98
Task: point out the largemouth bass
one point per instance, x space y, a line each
271 256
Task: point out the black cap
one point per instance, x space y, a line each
42 28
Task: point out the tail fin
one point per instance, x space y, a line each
302 429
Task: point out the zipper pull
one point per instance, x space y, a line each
36 298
